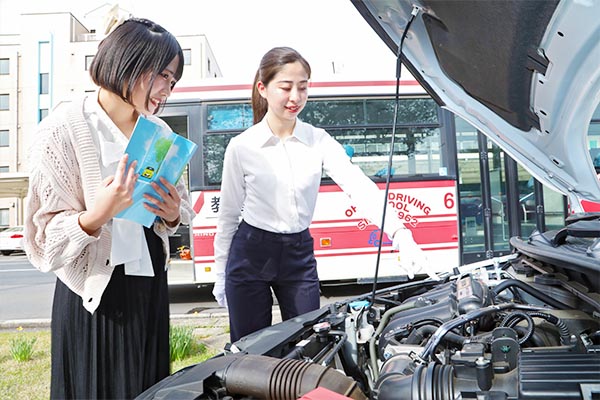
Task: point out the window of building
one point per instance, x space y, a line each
43 113
4 100
4 66
44 83
208 66
4 168
4 217
88 62
187 57
4 140
45 54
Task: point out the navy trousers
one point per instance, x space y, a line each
260 260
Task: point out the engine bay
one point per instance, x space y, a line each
516 328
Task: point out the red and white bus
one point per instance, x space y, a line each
358 114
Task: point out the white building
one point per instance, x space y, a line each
46 63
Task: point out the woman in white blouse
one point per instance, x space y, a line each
271 178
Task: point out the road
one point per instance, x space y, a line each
26 293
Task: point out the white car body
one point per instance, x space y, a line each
11 240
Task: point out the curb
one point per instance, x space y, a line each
44 323
25 323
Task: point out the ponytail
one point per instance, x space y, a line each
259 103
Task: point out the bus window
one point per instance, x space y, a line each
369 111
365 124
229 116
417 150
213 150
223 122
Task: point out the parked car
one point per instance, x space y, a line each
522 326
11 240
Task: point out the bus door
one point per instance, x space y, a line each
183 119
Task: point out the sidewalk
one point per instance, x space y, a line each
211 326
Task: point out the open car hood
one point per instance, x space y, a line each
525 73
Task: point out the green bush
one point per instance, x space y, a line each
181 340
21 348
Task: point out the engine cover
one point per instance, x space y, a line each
546 374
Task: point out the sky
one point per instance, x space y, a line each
325 32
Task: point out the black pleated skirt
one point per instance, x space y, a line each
120 350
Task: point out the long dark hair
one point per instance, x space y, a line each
134 49
271 63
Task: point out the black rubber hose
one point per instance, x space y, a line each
426 321
565 334
296 354
433 342
531 290
405 330
514 318
417 335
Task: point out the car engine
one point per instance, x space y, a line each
518 328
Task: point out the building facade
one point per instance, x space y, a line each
45 64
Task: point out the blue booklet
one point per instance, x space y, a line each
159 152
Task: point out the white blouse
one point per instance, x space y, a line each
273 183
129 246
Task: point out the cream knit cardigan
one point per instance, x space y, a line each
64 176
